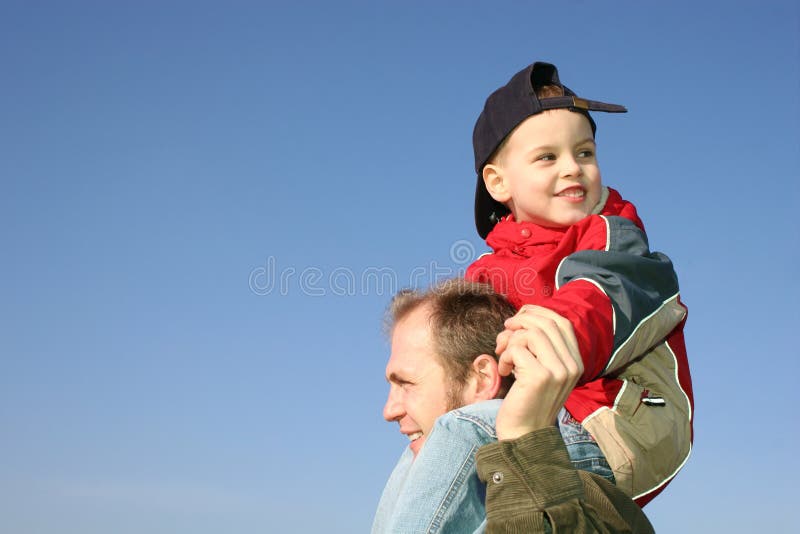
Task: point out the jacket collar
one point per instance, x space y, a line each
518 236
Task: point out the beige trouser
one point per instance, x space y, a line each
645 445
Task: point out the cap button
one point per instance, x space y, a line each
525 232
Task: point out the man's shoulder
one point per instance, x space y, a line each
475 419
486 408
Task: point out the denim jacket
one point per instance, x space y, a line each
440 492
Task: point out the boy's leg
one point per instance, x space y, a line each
584 452
646 442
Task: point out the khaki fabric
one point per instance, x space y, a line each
649 333
531 486
645 445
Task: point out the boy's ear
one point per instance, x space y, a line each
487 377
495 183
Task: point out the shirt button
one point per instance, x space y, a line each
497 478
525 232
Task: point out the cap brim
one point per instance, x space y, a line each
575 102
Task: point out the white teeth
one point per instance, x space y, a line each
415 435
572 193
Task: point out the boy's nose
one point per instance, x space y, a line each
570 168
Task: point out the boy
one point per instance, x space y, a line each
563 241
567 248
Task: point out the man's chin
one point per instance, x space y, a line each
416 445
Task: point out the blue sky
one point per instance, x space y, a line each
165 165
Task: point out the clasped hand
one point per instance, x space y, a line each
539 347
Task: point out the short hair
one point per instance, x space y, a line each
465 318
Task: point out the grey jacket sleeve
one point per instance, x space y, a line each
641 285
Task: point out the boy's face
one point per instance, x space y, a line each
547 173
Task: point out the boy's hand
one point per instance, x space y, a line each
556 328
544 379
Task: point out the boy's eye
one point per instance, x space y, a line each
587 153
546 157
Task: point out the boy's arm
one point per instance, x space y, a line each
621 298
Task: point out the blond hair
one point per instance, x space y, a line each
465 318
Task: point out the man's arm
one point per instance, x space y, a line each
531 485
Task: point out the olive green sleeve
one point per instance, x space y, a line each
531 486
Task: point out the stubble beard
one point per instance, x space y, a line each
455 396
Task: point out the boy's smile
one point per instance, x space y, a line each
547 172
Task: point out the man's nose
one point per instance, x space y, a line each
393 409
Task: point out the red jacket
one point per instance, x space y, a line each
623 302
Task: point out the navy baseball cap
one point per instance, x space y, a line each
504 110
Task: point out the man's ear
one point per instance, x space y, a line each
487 377
495 183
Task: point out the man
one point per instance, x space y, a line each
443 377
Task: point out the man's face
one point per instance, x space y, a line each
550 169
418 384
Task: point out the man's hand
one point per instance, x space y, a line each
546 322
542 352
